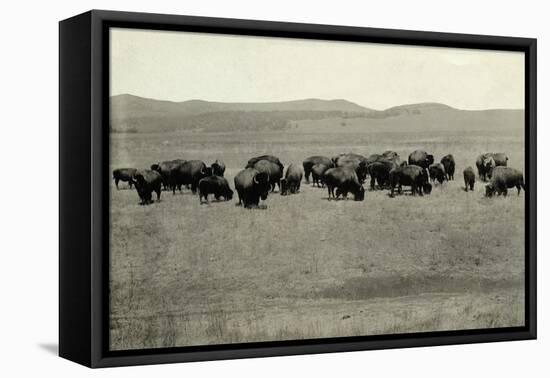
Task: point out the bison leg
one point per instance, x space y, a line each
116 183
130 183
158 190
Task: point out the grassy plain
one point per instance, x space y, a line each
189 274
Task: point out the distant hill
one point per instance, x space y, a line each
137 114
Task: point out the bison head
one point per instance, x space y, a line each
228 194
261 182
430 159
155 167
283 184
360 194
427 188
489 190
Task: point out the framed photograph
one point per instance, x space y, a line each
234 188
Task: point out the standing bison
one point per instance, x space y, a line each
273 171
486 162
165 169
251 185
271 158
344 180
317 173
411 175
218 168
469 178
216 185
437 172
188 173
124 174
291 182
448 162
421 159
147 182
502 179
355 161
315 160
379 172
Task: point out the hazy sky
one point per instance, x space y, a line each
180 66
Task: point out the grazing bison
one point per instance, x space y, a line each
317 172
291 182
344 180
356 161
448 162
502 179
411 175
147 182
218 168
421 159
270 158
216 185
188 173
486 162
273 170
165 169
469 178
251 185
379 171
314 160
124 174
437 172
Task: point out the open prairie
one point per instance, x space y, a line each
183 273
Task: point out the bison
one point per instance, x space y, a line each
218 168
448 162
273 170
124 174
344 180
469 178
251 185
147 182
411 175
315 160
355 161
216 185
188 173
486 162
379 171
317 172
502 179
291 182
421 159
165 169
437 172
271 158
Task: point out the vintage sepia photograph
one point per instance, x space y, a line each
273 189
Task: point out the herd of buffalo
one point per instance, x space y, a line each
342 174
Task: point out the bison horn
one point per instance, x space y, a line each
255 180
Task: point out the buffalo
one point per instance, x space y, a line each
344 180
273 170
291 182
271 158
147 182
437 172
317 172
411 175
357 162
188 173
379 171
165 169
216 185
218 168
421 159
448 162
502 179
251 185
469 178
486 162
124 174
315 160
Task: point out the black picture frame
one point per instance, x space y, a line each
83 198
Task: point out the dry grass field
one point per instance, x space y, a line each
189 274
